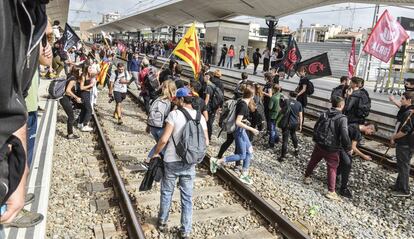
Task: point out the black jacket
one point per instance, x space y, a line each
351 106
154 173
406 126
340 129
24 25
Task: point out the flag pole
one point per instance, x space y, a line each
169 59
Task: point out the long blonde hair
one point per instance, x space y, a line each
168 90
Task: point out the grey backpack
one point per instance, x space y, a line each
191 147
158 112
57 88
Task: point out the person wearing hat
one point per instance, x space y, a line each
174 167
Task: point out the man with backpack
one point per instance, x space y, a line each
237 92
358 102
330 136
186 134
341 88
214 98
290 120
118 89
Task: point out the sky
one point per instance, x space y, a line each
339 14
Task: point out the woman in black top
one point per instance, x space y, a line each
244 148
68 98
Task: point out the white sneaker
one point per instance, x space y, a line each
80 126
86 128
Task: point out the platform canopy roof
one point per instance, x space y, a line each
179 12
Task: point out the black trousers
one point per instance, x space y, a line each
222 60
210 122
66 103
285 138
86 111
208 59
266 64
242 62
344 168
404 155
225 145
256 64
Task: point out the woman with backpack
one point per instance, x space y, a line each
159 111
69 97
244 148
274 109
88 80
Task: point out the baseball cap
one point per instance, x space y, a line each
183 92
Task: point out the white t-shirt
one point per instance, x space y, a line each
117 85
177 119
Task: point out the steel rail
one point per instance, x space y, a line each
134 228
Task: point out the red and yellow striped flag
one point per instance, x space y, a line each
188 50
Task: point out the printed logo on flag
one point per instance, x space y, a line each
386 37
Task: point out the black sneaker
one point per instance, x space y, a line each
392 188
401 194
345 193
162 226
281 159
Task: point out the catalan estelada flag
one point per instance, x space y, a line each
103 73
188 50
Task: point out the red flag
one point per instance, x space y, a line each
386 37
352 61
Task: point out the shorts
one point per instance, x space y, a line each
119 96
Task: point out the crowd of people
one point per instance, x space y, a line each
177 108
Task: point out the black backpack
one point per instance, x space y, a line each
337 91
364 104
324 131
216 99
310 89
284 116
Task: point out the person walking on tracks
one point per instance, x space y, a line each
290 119
176 167
244 148
330 136
88 80
355 132
404 141
118 89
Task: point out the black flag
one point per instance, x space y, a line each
292 58
70 38
317 66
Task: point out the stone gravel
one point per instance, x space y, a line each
69 214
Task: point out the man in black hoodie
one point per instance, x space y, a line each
358 102
330 136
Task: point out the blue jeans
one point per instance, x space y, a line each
273 136
185 174
156 133
229 62
31 135
243 147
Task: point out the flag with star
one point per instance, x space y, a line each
188 50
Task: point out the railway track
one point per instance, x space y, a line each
221 210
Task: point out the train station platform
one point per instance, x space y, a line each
41 169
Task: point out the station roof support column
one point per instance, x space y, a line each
139 35
153 33
271 22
